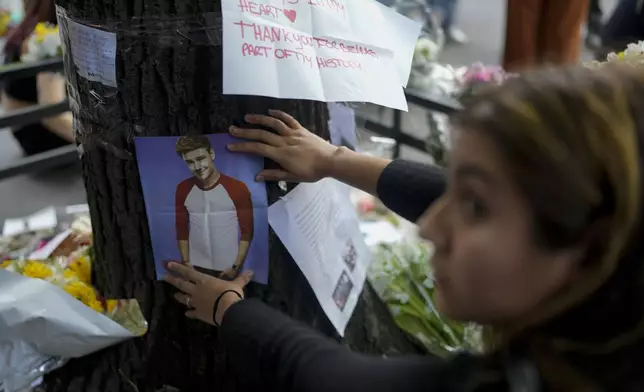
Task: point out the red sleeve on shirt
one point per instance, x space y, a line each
181 212
239 193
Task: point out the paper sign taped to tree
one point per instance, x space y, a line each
320 229
94 53
324 50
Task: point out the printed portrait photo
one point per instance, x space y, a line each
342 290
203 204
350 255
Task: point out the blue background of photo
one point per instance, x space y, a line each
161 169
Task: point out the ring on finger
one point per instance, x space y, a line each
188 302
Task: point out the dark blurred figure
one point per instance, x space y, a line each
594 25
543 32
625 25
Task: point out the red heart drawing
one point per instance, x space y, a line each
291 15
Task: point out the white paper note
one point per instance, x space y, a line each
94 53
44 219
324 50
49 248
320 229
14 226
342 124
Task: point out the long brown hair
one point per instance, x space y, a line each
573 140
37 11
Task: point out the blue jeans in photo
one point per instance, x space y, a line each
447 10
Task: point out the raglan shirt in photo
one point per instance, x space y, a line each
214 220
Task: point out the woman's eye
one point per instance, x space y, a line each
474 207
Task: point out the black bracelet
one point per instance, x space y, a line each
216 307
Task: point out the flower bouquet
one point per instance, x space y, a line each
478 76
633 55
43 44
49 310
401 275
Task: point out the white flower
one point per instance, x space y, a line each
51 45
44 43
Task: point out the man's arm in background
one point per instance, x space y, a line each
182 221
245 212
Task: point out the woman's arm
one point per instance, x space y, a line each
406 187
271 352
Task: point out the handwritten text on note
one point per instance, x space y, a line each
93 52
305 49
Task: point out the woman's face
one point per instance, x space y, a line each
487 266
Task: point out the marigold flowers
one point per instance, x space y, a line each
80 268
37 270
84 293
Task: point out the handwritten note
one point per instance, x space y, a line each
94 53
315 49
319 226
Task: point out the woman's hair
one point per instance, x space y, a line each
572 140
38 11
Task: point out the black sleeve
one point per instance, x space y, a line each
271 352
408 188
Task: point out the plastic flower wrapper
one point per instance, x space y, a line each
43 44
49 312
401 276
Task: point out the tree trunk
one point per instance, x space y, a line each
169 73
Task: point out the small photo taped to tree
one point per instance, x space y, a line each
342 290
350 255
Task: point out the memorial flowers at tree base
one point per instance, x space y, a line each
50 311
402 277
44 43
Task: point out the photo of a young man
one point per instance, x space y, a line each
203 205
214 212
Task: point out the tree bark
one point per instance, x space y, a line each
169 73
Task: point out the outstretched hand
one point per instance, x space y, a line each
199 292
302 155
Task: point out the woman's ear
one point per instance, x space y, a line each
587 252
595 241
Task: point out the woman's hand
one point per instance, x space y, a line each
51 88
199 292
302 155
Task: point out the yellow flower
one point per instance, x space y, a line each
96 305
83 293
111 305
42 30
38 270
81 268
5 263
70 275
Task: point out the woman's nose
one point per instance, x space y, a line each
431 225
